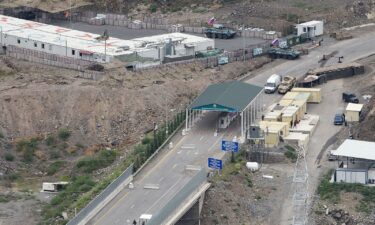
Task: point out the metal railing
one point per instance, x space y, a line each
97 202
179 198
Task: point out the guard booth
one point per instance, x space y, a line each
230 99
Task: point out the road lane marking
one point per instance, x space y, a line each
132 206
201 138
162 159
148 210
106 212
174 166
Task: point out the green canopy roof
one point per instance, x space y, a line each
231 96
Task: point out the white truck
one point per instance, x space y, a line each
272 84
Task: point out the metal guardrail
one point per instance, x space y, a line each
179 198
85 212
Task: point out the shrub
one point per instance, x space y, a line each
50 140
8 156
80 145
54 167
153 7
92 163
64 134
54 154
1 134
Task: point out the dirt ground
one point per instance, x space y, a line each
277 15
247 197
115 112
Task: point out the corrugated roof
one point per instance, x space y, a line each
356 149
354 107
233 95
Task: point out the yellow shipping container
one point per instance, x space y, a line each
315 94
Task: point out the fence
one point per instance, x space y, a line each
54 60
179 198
209 62
159 23
103 198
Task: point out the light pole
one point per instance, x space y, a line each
70 13
166 119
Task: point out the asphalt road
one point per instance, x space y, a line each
168 170
126 33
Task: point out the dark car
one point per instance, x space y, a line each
349 97
339 119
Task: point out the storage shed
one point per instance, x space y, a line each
315 94
353 112
311 29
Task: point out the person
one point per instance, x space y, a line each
134 222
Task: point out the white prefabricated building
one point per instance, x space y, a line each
82 45
311 29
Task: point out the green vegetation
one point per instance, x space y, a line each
27 147
153 7
91 163
50 141
331 192
1 134
291 153
54 167
64 134
82 190
9 157
200 10
78 185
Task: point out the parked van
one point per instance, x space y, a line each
273 83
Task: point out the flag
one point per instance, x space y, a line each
275 42
211 21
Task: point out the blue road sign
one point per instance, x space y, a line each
229 146
215 163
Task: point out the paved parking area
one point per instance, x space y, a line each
126 33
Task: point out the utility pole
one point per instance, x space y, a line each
243 40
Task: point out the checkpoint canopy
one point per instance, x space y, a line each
233 97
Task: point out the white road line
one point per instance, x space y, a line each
162 178
148 210
201 138
179 152
132 206
174 166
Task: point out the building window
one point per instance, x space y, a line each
43 46
35 44
73 52
80 54
50 47
19 41
314 28
304 29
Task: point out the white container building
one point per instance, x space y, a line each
311 29
82 45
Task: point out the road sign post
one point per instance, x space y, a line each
216 164
229 146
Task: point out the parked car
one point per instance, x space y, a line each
339 119
272 84
349 97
